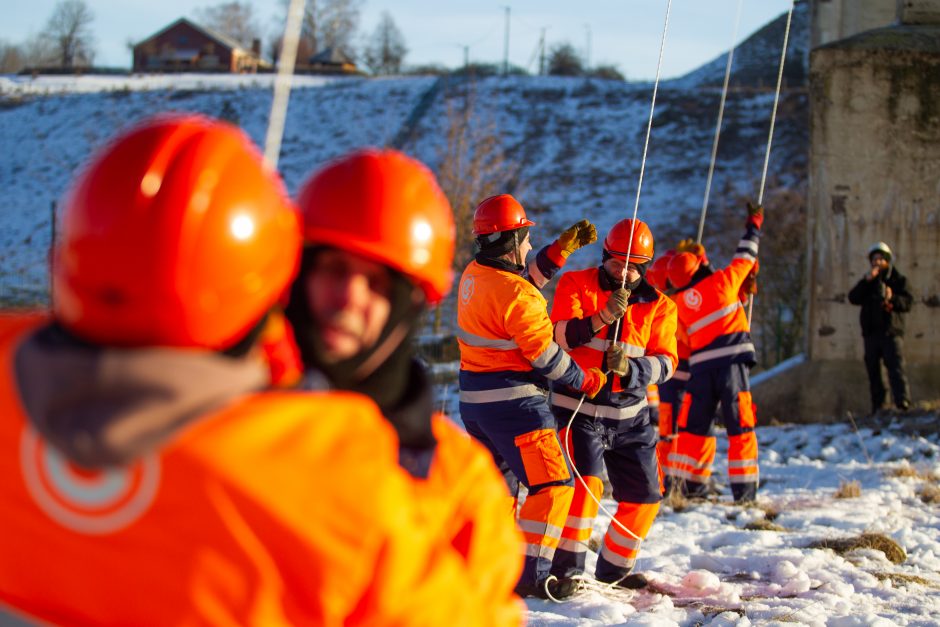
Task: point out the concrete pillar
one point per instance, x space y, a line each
837 19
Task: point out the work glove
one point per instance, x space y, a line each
617 360
594 380
691 246
574 237
755 214
616 306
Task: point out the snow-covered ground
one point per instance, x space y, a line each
716 563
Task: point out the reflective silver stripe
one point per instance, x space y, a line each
617 537
631 350
540 527
676 458
539 550
714 316
538 279
688 476
617 560
745 255
742 463
600 411
561 328
656 368
715 353
750 245
681 375
576 522
752 478
572 546
484 342
500 394
559 371
542 360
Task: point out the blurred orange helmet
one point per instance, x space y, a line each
658 273
499 213
682 267
176 234
618 240
385 206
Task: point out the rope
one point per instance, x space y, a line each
773 115
623 278
721 115
282 83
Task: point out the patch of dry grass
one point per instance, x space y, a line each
902 579
913 472
764 525
676 500
930 494
849 490
892 550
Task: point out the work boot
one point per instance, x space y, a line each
552 588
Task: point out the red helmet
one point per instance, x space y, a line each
385 206
176 234
682 267
658 273
499 213
618 241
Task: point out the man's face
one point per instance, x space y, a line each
524 248
615 267
878 261
350 299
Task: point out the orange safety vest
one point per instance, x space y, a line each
282 509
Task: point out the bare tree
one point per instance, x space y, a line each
326 24
564 61
386 51
12 58
234 19
69 30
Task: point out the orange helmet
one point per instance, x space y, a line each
176 234
499 213
682 267
658 273
385 206
618 241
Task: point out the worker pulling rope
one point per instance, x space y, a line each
623 277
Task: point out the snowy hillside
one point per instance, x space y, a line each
577 143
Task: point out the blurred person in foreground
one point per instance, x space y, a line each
145 480
378 252
884 297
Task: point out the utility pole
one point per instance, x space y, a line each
542 53
506 45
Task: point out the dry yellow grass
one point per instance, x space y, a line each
849 490
892 550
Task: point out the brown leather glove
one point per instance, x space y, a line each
616 306
617 360
594 380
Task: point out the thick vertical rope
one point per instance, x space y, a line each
282 83
623 278
721 115
770 133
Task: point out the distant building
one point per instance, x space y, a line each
328 61
185 46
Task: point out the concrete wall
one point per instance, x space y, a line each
837 19
874 175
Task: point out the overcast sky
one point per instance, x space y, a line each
624 33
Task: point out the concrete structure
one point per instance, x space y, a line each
185 46
874 175
832 20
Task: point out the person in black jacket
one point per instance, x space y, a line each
884 297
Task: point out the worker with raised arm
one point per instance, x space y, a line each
722 353
615 430
508 358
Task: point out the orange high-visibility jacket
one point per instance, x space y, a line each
647 334
503 324
712 312
282 509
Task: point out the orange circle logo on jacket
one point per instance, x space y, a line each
692 298
466 290
92 502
